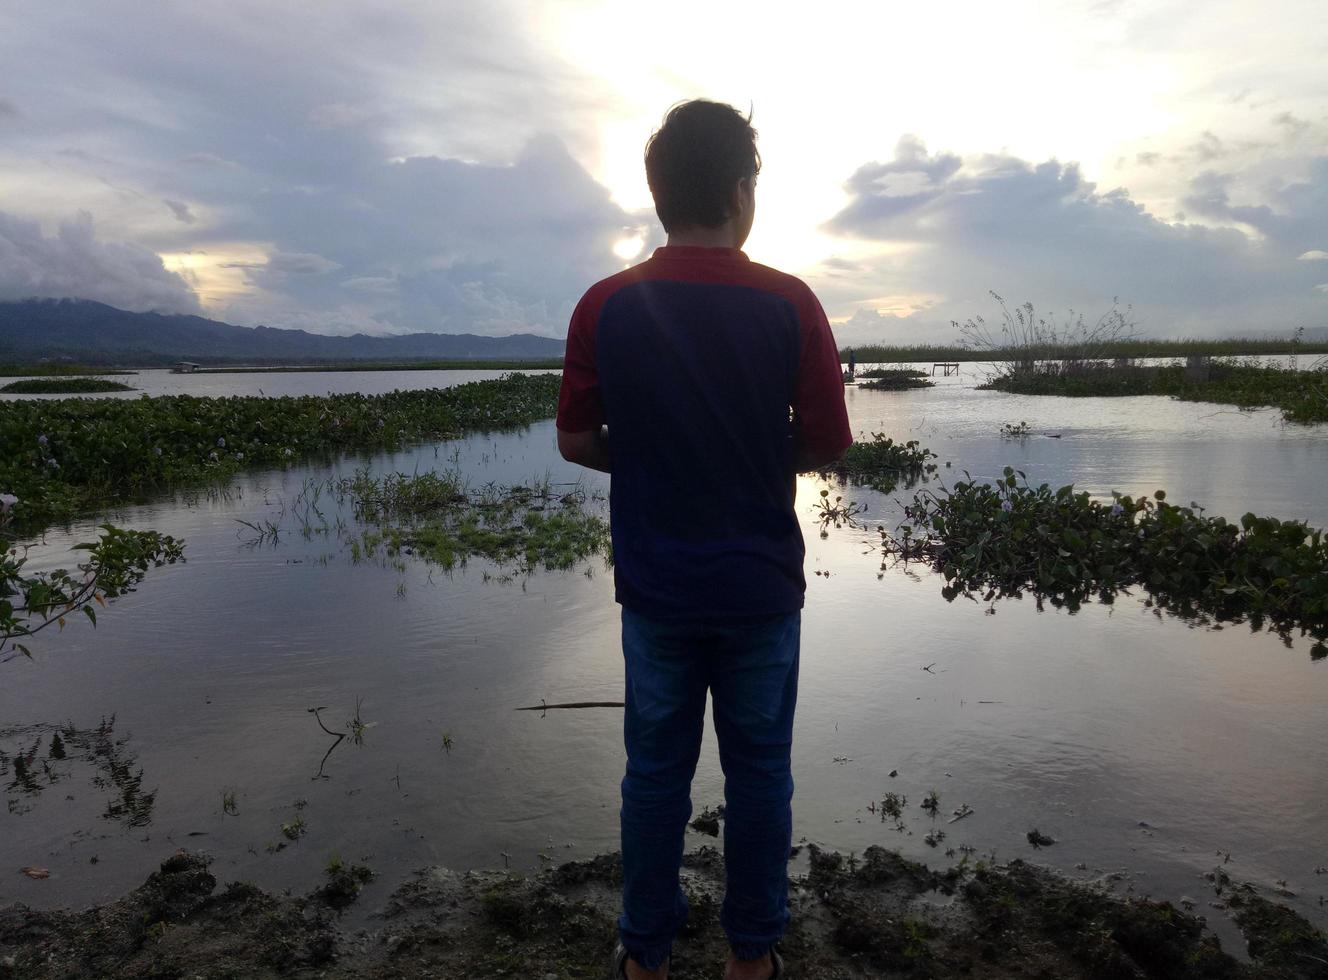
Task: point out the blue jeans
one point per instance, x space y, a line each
751 671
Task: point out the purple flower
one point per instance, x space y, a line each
52 463
1007 506
7 500
42 440
1117 510
221 443
157 451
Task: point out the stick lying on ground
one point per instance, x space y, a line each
572 704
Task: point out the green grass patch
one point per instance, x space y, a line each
1301 395
63 386
67 457
1229 347
435 517
1064 546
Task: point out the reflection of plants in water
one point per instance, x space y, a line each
883 464
1009 537
113 766
837 513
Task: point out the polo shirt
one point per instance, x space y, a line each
703 364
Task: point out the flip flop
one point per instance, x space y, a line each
778 961
618 969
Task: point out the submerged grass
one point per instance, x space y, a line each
436 517
69 456
1301 395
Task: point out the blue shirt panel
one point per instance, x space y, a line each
696 380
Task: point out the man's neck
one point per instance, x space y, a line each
699 237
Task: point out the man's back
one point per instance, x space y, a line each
694 359
703 383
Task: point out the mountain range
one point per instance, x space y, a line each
94 333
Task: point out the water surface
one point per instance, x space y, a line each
1142 744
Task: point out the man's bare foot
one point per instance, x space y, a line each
762 969
637 972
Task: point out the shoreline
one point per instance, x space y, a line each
879 915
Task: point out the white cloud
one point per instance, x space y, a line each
73 264
1313 255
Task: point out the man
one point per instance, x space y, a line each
703 383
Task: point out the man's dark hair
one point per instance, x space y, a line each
695 158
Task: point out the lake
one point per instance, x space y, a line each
1150 749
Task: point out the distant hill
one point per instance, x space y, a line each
94 333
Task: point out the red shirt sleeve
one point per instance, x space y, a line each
580 407
818 399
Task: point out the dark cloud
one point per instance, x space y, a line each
1293 126
180 210
75 264
290 149
1042 232
429 243
1293 219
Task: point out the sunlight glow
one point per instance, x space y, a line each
629 248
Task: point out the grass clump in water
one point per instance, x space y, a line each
519 528
894 379
1008 537
63 386
1301 395
882 463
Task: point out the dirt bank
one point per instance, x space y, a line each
877 916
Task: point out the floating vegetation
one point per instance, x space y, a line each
435 517
1066 547
1011 431
64 457
113 766
63 386
894 379
1301 395
883 464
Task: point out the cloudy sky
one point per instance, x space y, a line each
473 167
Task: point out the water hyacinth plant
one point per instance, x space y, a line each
1009 537
894 379
882 463
69 456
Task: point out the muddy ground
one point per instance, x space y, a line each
875 916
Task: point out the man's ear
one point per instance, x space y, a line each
737 200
